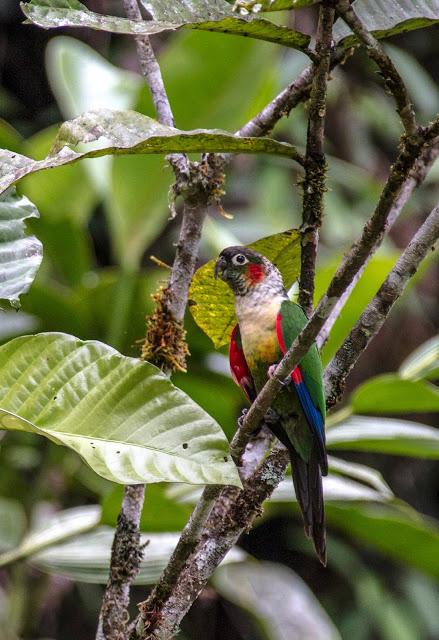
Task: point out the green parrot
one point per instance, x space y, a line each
268 323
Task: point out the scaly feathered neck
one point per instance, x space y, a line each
253 294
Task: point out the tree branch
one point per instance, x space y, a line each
315 163
373 317
392 79
126 556
234 511
150 70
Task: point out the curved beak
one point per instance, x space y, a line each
220 267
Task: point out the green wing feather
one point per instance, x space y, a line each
293 321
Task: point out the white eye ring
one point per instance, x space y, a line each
239 259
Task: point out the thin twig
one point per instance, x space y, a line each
150 70
392 79
281 106
315 163
373 317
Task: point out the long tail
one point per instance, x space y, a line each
307 479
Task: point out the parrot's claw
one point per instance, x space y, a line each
241 418
241 422
272 370
271 417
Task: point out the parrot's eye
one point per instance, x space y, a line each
239 259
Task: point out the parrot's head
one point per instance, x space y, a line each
246 271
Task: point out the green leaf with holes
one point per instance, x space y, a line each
201 15
124 417
110 132
20 253
211 301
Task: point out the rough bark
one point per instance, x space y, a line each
315 162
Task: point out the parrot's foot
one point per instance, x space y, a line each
241 418
271 417
272 370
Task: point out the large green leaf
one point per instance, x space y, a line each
388 18
86 556
281 604
397 531
82 80
167 16
57 528
385 435
335 489
360 473
122 132
346 482
20 253
123 416
388 393
423 362
211 301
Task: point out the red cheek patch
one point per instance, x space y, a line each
256 272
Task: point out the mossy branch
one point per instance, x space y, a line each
315 163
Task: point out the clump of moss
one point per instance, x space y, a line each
165 341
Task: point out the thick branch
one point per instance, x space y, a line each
126 556
315 163
392 79
233 513
373 317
